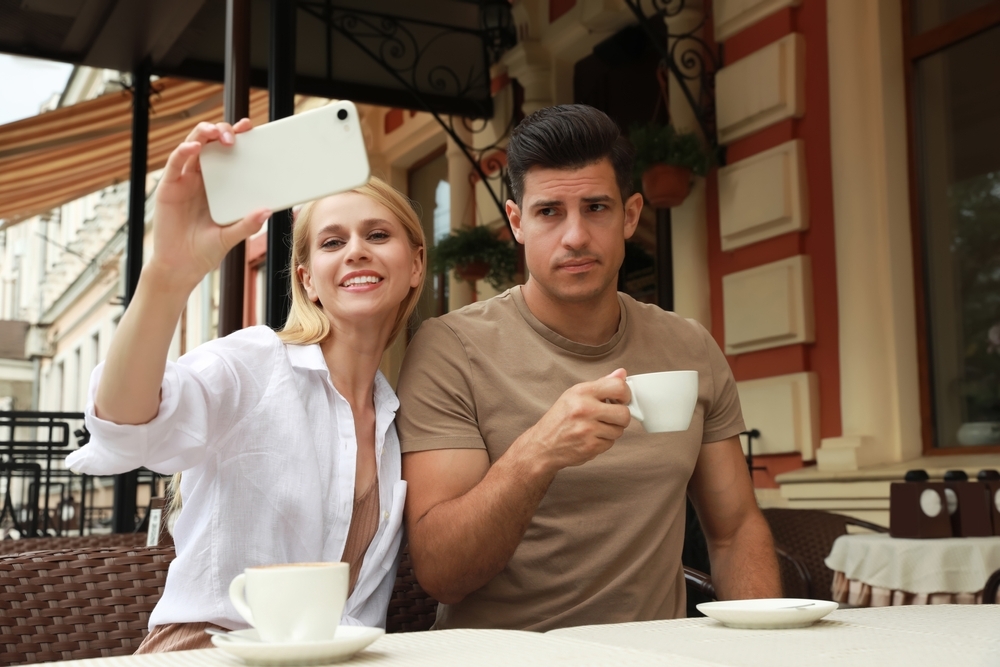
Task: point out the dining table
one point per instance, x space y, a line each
876 570
966 635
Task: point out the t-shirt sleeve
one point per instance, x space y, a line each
437 407
724 417
202 396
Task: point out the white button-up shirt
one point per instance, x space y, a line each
268 450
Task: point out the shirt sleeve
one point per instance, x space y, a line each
202 396
437 407
724 417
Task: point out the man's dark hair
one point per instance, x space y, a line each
569 136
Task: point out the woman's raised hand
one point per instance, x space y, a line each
187 243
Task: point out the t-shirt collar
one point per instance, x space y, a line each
565 343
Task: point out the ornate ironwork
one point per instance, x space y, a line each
690 58
405 48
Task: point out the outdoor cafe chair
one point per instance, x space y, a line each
78 603
27 544
991 588
808 536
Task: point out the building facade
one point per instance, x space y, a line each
844 252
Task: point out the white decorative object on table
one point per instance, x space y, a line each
767 614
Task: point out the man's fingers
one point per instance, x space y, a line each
178 160
610 388
242 125
614 414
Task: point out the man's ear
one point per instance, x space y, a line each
514 215
633 207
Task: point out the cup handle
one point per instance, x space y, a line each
633 405
236 595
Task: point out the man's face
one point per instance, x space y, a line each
573 225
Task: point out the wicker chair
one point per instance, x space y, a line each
808 536
72 542
411 609
78 603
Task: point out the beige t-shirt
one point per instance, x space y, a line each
605 543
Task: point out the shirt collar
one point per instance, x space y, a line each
310 357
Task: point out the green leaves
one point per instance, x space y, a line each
662 143
476 244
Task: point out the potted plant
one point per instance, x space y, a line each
665 161
475 253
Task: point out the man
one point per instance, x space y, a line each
534 502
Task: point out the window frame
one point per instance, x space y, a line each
915 48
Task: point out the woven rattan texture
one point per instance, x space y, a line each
808 535
79 603
72 542
410 609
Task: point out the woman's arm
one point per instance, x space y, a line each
187 245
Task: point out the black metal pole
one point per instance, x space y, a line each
664 260
281 88
236 101
123 517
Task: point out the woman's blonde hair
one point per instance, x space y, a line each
307 323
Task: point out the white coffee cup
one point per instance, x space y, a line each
297 602
664 401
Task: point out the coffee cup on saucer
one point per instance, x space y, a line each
297 602
665 401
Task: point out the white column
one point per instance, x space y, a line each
689 224
460 292
880 405
529 62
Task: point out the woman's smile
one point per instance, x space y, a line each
361 281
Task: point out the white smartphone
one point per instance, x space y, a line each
287 162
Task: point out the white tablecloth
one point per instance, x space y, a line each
958 635
967 636
953 565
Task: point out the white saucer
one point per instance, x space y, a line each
768 614
349 640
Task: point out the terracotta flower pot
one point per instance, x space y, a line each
472 271
666 185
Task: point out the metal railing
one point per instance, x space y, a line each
40 495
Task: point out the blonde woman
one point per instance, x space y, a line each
286 440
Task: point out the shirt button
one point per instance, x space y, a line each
385 515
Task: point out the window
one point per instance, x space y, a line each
954 88
428 186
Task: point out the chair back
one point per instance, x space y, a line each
27 544
991 589
78 603
808 536
411 609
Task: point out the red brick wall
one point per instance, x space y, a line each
817 242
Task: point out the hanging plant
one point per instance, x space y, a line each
475 253
665 161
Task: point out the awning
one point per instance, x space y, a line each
56 157
426 54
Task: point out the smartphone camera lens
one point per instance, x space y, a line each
342 114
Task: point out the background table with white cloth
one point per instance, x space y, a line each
967 635
878 570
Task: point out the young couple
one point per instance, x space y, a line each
288 444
